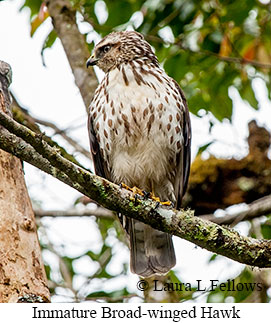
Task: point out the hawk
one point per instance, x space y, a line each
140 134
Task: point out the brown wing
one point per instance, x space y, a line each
99 163
184 157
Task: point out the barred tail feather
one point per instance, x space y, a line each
152 251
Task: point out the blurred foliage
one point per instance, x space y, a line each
266 228
208 47
62 272
236 290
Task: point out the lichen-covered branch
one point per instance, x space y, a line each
22 142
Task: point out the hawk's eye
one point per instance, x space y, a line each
106 48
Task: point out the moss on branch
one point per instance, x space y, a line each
217 183
25 144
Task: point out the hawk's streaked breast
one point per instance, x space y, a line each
137 113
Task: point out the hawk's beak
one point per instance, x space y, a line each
92 61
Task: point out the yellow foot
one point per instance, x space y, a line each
155 198
138 191
134 189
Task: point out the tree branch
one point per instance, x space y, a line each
255 209
25 144
22 116
99 212
63 134
229 59
64 22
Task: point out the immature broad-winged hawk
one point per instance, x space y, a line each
140 135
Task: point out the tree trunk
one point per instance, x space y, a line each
64 21
22 275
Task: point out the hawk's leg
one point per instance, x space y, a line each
157 199
135 190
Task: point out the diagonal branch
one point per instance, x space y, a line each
63 134
27 145
255 209
22 115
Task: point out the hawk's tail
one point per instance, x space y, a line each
152 251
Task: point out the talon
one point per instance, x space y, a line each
138 192
154 198
136 198
156 205
166 203
157 199
146 194
134 189
122 185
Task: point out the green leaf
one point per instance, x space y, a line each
237 11
246 92
217 87
213 257
48 43
173 277
110 296
266 229
204 147
221 104
33 5
178 65
119 12
47 271
104 226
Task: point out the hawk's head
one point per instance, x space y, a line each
118 48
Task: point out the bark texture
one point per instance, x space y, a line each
64 22
22 275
